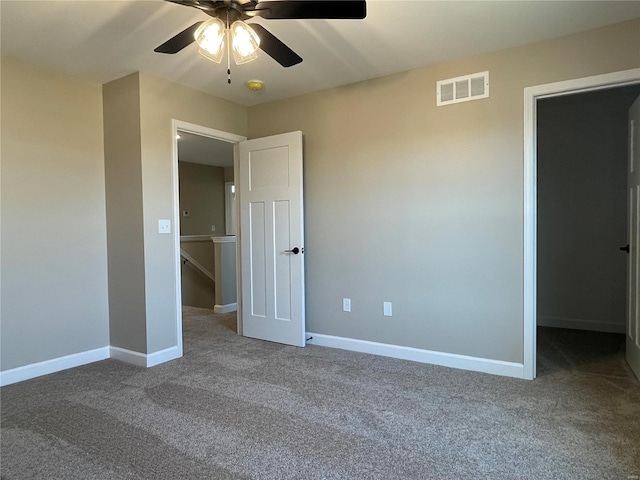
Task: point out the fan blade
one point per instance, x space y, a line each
179 41
328 9
205 5
273 47
188 3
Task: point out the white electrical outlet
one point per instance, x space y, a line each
164 226
213 228
386 309
346 304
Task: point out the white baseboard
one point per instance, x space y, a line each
129 356
496 367
484 365
580 324
229 307
162 356
145 360
54 365
51 366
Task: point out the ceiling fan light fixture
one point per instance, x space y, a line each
244 42
210 38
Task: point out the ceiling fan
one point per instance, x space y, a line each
226 27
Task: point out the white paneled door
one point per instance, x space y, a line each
272 238
633 299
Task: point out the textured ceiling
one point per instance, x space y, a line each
105 40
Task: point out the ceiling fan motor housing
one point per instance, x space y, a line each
230 10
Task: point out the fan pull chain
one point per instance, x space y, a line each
228 33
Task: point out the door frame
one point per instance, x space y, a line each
217 135
531 96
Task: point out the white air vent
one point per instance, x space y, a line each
463 89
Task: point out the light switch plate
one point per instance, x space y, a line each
346 304
164 226
386 309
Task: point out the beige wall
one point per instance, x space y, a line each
162 101
198 290
202 194
146 105
405 202
422 205
225 272
125 236
228 174
54 256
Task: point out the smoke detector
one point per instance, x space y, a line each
255 85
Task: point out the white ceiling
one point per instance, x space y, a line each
105 40
207 151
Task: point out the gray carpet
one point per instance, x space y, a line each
240 408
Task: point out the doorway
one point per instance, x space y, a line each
201 142
205 168
533 95
582 165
